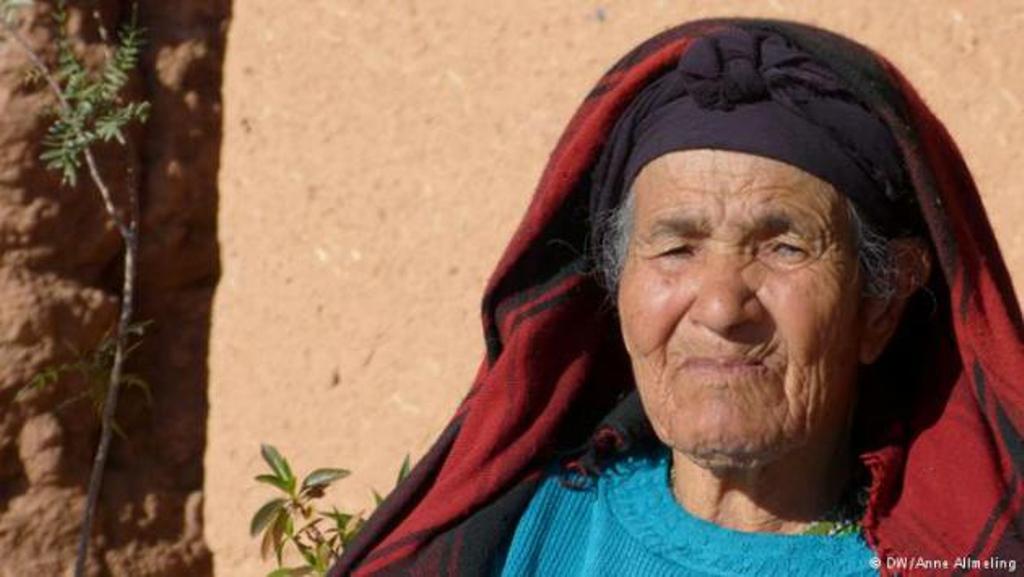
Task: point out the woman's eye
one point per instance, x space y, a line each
787 252
680 251
784 248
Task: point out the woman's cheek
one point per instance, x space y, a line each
651 305
803 307
812 320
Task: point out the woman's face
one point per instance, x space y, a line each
739 303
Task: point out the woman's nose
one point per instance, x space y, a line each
726 301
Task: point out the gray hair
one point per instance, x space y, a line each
872 250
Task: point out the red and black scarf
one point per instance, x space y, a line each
941 413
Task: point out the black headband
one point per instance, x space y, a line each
754 92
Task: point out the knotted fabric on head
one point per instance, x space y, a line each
755 92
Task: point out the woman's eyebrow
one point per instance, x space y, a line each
680 225
774 222
769 222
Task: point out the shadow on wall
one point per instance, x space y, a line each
59 279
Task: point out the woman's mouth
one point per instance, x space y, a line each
724 366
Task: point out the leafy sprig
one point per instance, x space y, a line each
319 536
92 109
93 369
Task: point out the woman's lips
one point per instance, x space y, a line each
724 365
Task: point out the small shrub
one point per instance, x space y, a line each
319 536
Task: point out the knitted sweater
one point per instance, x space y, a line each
627 522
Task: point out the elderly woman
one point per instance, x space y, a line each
707 353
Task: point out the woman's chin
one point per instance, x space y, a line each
719 450
728 460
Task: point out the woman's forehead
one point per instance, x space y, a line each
711 184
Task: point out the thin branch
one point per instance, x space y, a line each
99 465
109 407
37 61
126 229
129 234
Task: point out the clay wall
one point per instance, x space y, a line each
60 269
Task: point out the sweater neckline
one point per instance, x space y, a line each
636 487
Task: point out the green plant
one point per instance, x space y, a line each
318 536
90 109
93 369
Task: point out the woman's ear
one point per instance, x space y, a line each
911 264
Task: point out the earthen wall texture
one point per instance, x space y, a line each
377 157
60 269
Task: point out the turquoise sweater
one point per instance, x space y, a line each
628 523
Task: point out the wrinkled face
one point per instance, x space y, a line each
739 306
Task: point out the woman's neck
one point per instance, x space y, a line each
783 496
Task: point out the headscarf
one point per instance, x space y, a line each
753 91
940 415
